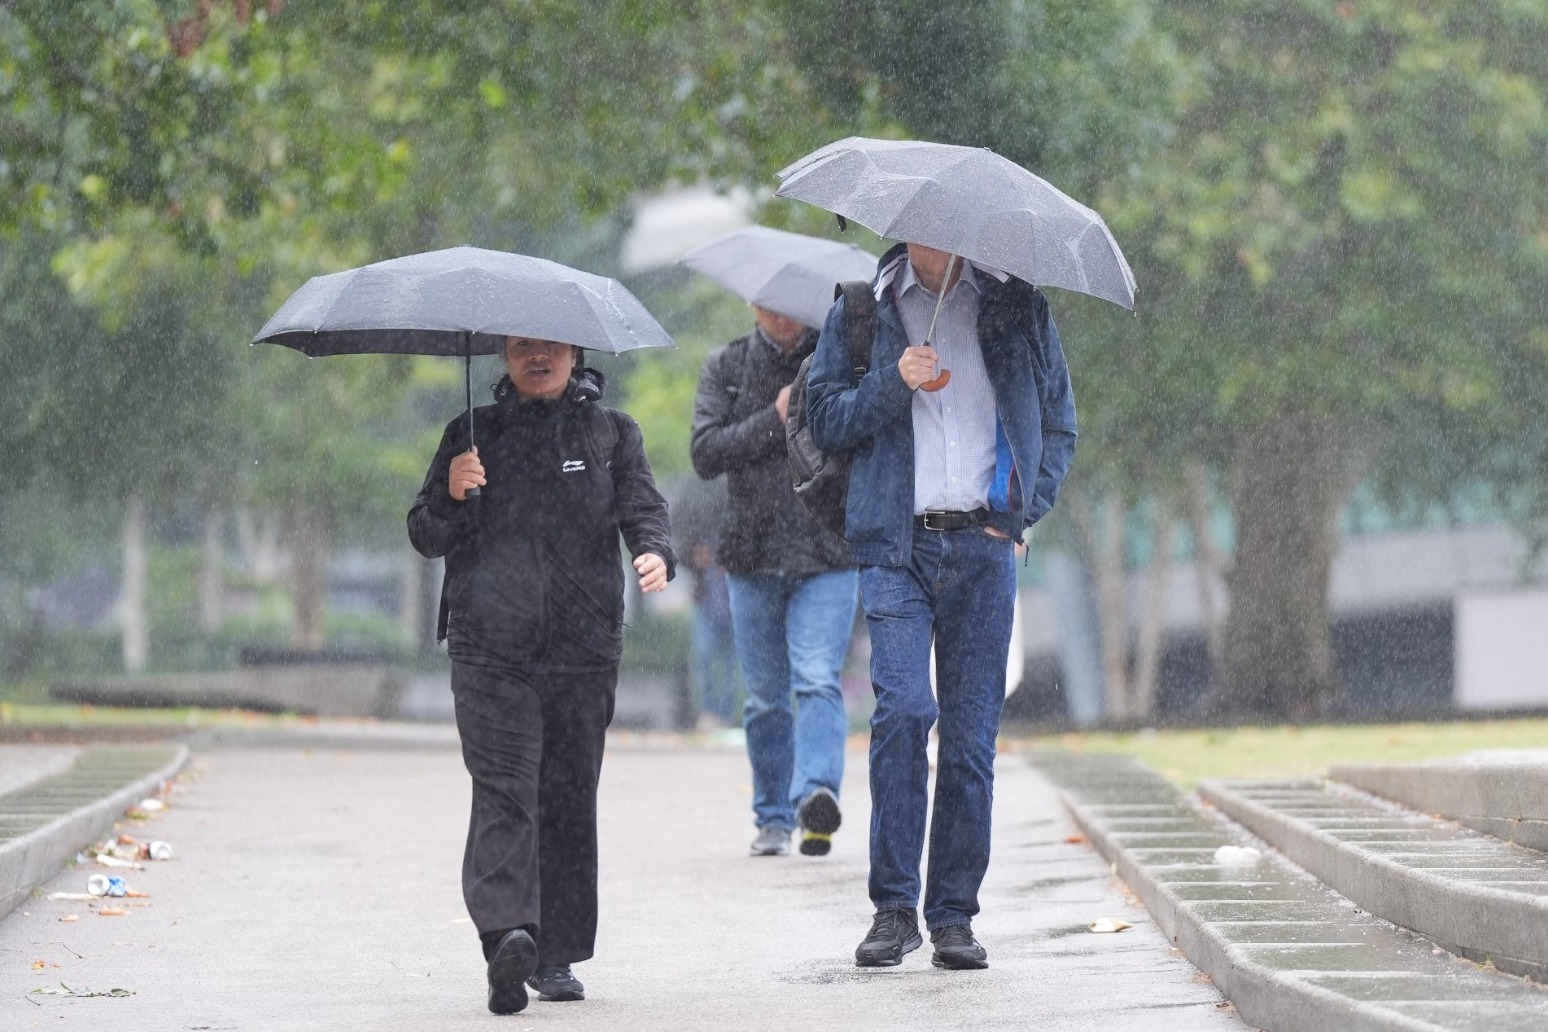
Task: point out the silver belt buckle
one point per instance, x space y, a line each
930 517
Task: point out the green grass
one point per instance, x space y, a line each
1187 757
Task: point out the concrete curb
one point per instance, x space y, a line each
1319 965
1508 800
31 859
1381 871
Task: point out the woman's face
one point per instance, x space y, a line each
539 368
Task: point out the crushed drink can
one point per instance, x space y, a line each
116 886
159 851
97 885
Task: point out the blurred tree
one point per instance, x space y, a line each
1345 234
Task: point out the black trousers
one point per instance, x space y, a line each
533 743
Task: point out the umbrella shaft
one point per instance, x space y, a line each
467 380
940 298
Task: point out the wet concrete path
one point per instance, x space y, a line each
317 888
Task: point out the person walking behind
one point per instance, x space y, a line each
793 587
532 607
942 483
698 514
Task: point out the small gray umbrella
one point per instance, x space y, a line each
970 202
460 301
789 273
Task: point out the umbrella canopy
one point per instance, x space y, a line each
970 202
460 301
789 273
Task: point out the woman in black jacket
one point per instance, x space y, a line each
532 606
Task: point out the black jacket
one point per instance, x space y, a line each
533 575
737 432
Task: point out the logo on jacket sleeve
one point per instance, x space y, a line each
573 466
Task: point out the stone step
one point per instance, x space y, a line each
1292 955
1500 792
1469 892
47 820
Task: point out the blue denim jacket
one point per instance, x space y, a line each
1034 406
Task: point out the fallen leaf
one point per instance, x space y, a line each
65 990
39 965
1109 924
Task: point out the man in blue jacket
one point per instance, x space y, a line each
942 484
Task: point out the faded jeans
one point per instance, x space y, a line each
958 588
792 633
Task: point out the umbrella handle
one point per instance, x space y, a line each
467 384
944 376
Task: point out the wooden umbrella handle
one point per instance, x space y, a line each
936 384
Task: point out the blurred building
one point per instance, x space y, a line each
1424 620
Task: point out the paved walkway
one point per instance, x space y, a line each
317 889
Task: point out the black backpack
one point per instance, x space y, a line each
821 478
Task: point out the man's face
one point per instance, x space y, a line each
781 329
539 368
930 264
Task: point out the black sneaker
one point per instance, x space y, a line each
511 964
771 841
819 818
956 948
893 933
557 985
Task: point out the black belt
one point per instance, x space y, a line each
941 519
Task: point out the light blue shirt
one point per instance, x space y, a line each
954 428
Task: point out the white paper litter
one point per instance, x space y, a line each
1235 856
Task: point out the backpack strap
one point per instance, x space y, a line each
859 323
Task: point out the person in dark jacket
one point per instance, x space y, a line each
946 474
792 583
532 607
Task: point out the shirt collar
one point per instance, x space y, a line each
901 271
798 352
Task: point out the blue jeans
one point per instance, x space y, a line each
791 636
714 663
959 588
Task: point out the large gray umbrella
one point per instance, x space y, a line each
460 301
789 273
970 202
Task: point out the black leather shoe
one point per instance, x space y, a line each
511 964
956 948
557 985
893 933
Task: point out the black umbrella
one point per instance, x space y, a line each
462 301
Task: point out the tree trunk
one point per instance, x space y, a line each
135 637
1149 641
1289 478
211 583
1092 519
309 546
1208 563
411 592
